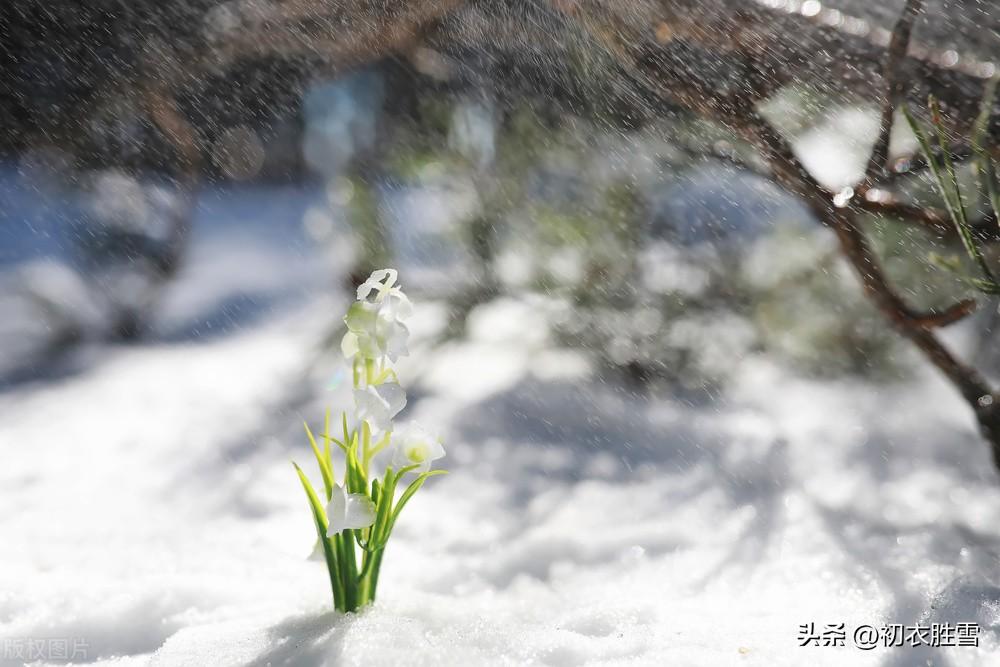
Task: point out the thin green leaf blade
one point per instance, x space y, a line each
319 518
325 468
948 185
986 167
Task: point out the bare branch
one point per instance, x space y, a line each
931 220
655 69
917 328
895 87
343 34
913 165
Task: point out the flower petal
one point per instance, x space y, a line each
361 317
379 404
395 343
375 283
389 276
349 345
394 396
360 511
336 510
412 444
371 407
399 304
436 450
364 289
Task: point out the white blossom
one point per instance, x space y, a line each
412 444
348 510
381 289
379 404
372 333
375 326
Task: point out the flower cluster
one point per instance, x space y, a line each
357 518
375 328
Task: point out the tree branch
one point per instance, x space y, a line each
656 69
895 88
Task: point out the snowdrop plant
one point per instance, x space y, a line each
356 519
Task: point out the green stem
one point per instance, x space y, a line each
329 551
353 567
364 582
347 572
373 577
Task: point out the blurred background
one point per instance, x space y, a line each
609 287
503 166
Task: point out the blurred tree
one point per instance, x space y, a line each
625 63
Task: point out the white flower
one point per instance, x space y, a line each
378 404
348 510
373 332
381 287
412 444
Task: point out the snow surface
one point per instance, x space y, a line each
148 506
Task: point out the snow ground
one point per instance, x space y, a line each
149 509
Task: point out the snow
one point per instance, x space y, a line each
149 508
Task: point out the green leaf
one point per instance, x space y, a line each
347 434
986 286
376 495
383 510
965 229
985 112
949 263
925 148
986 168
379 446
385 496
950 192
355 477
325 468
319 517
